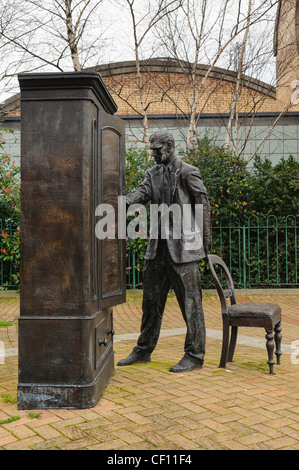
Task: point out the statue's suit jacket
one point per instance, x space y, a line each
186 187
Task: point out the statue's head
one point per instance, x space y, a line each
162 146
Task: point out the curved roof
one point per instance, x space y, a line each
169 65
157 65
11 106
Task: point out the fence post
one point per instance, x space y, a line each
133 269
244 255
287 246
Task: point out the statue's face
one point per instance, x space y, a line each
162 150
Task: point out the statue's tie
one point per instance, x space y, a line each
166 185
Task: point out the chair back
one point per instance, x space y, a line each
223 295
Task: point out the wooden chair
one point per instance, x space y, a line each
265 315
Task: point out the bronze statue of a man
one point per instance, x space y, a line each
171 262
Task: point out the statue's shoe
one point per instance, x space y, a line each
185 365
133 358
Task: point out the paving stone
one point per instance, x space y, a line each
127 436
47 432
282 442
78 444
160 441
146 407
24 444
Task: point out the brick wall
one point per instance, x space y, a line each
171 93
287 55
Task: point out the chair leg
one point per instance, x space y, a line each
270 349
225 342
232 343
277 339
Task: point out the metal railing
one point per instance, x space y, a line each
259 254
134 270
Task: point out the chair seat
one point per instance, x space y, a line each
254 314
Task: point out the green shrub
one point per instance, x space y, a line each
10 199
10 181
236 193
226 178
137 162
276 188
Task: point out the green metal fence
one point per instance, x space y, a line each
260 253
9 262
134 270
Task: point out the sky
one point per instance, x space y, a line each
111 31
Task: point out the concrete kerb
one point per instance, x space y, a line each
270 291
266 291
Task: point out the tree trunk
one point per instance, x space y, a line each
235 105
72 36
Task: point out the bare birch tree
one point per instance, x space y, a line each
59 34
204 32
10 16
234 109
144 18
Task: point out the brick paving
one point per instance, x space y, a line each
146 407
